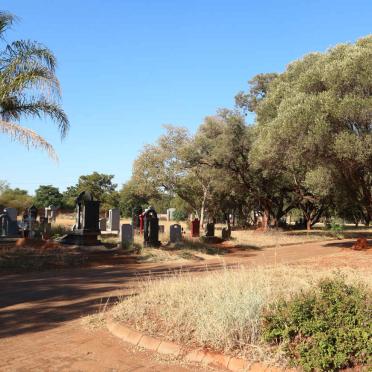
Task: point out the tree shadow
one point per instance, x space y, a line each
33 302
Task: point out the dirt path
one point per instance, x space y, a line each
40 312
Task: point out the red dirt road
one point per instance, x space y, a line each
40 312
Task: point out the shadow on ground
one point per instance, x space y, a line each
33 302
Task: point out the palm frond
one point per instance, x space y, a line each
37 77
27 137
22 53
6 20
40 108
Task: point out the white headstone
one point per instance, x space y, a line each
126 234
161 229
175 233
114 219
170 212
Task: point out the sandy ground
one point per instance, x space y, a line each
41 312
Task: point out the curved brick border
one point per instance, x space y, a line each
196 355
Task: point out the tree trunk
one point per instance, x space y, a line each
265 219
308 224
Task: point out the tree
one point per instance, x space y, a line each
316 119
28 88
68 198
166 168
46 195
4 185
101 187
16 198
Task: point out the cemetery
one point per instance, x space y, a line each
238 239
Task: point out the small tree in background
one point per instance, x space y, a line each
16 198
47 195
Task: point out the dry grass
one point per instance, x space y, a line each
219 310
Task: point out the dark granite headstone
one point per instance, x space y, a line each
209 229
86 229
151 228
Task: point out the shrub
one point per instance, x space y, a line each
326 328
180 215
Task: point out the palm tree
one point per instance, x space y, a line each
28 88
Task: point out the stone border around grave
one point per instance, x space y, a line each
198 355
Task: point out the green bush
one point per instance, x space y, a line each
326 328
180 215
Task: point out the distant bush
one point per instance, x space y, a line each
326 328
180 215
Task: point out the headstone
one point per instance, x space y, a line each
151 228
175 233
161 229
126 234
170 213
102 224
51 213
86 228
8 223
209 229
195 228
136 212
114 219
226 233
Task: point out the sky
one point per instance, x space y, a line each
127 67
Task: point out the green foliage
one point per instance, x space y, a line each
180 215
101 187
326 328
16 198
46 195
68 198
314 123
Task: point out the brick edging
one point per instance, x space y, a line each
195 355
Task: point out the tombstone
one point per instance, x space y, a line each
45 227
150 228
126 234
195 228
226 233
175 233
161 229
50 213
209 229
114 219
8 223
170 213
102 224
86 228
136 212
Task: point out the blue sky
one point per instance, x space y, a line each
129 66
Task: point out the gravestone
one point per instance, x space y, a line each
86 228
170 213
150 228
209 229
8 223
102 224
136 212
51 213
226 233
126 234
195 228
161 229
114 219
175 233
